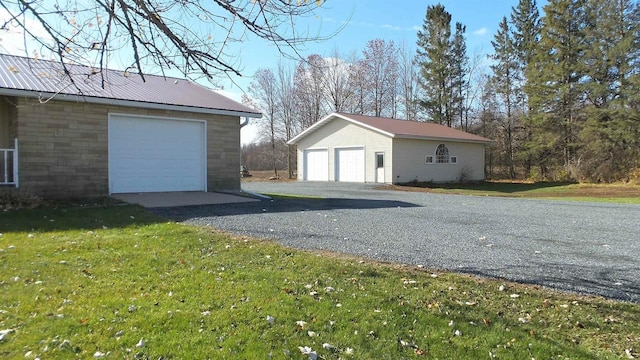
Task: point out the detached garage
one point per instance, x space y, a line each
357 148
89 138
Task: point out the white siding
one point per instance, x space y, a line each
409 161
340 133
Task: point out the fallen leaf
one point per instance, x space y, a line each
301 324
328 346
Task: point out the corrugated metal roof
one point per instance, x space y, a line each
397 128
26 76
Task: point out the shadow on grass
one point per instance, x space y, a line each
277 205
490 186
75 218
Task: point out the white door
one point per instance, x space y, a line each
379 167
350 164
149 154
316 165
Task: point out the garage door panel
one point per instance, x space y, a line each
350 165
316 165
156 154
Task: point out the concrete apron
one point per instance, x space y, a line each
181 198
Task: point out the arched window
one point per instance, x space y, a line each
442 154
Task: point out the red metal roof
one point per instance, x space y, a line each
397 128
32 77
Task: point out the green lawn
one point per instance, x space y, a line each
119 283
612 193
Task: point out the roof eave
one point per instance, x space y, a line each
328 118
127 103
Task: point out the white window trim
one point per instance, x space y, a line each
428 159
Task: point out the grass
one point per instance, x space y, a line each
610 193
119 283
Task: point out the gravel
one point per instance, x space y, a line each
590 248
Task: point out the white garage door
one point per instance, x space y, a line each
350 164
316 165
149 154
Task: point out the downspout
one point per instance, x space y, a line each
245 122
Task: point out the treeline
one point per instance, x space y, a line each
560 96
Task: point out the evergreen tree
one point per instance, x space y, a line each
459 71
554 77
506 86
525 21
434 58
612 130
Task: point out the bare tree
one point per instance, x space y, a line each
191 36
309 85
381 76
286 112
409 84
337 86
264 95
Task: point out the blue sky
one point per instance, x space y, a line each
358 21
364 20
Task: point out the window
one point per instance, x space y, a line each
454 159
379 160
428 159
442 154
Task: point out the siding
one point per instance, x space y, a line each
339 133
409 161
64 147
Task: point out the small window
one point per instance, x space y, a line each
454 159
428 159
379 160
442 154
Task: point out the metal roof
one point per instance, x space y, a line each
396 128
22 76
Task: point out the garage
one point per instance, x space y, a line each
154 154
350 164
316 165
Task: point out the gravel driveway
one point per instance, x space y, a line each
584 247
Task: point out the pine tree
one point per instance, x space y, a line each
554 77
434 57
506 86
611 134
526 27
459 71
